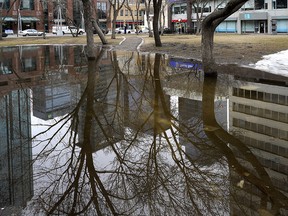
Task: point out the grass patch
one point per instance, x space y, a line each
14 41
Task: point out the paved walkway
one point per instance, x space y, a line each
129 44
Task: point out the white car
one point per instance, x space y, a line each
67 30
31 32
144 30
121 30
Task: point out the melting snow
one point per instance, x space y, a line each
276 63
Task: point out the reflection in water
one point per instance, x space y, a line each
131 134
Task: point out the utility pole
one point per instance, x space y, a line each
1 18
43 8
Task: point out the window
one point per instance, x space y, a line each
126 12
180 9
27 5
121 12
102 10
259 4
29 64
281 4
6 4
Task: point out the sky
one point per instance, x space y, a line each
276 63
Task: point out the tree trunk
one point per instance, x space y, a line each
189 17
113 36
157 7
87 6
207 45
209 25
100 33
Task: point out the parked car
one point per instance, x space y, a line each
31 32
9 31
166 31
4 34
144 30
105 31
121 30
67 30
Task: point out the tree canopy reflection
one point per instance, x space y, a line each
119 151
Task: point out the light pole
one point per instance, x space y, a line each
43 8
1 18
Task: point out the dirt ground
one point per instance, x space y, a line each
228 48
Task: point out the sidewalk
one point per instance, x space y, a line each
129 44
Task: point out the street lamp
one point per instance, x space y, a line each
1 18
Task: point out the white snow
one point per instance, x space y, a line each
276 63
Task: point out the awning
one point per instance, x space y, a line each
9 19
33 19
179 20
129 22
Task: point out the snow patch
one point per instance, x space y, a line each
276 63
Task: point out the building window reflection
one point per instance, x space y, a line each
29 64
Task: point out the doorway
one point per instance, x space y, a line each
262 26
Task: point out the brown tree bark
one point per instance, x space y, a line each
157 8
189 17
87 7
208 27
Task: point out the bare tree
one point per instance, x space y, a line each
116 6
189 16
97 28
209 25
199 6
88 16
157 7
147 15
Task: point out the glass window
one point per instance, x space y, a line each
261 129
247 109
29 64
102 10
275 98
241 93
281 99
254 95
267 113
267 97
177 9
275 115
281 4
121 12
260 112
247 94
259 4
253 110
27 5
260 96
235 91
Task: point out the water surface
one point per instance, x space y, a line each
139 134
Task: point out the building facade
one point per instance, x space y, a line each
256 16
43 14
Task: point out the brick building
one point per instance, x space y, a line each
43 14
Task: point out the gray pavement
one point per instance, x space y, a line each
129 43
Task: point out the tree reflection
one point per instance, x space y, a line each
120 151
236 151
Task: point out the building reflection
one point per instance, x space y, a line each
53 73
259 118
16 174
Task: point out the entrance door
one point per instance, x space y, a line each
262 26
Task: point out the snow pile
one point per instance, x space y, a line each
276 63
